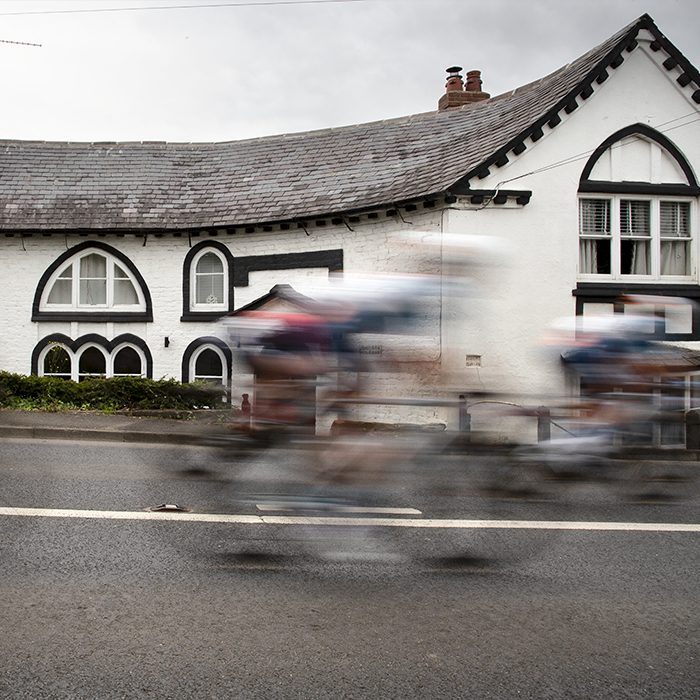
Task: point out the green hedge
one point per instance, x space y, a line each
117 393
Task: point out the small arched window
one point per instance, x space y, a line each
92 280
209 365
57 362
127 361
209 281
92 362
91 356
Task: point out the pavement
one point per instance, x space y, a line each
188 427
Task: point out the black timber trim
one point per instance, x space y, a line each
603 187
108 345
478 196
610 292
410 204
198 343
187 313
332 259
627 43
102 316
647 132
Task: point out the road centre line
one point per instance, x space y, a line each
361 522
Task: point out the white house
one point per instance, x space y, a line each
125 255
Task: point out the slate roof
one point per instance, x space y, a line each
161 186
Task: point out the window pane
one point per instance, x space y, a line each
209 263
675 219
61 292
678 318
93 292
93 265
594 256
594 217
127 361
92 361
675 258
635 258
57 361
93 280
210 289
124 293
209 280
208 364
634 218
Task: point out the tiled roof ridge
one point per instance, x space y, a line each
232 142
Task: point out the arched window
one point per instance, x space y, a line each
209 281
57 362
207 359
92 362
127 361
92 281
637 218
91 356
209 277
208 365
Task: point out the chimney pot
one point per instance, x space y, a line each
473 81
457 94
454 80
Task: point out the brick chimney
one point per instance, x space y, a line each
457 94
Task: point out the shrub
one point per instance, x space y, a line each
116 393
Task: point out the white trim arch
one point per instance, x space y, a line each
220 377
139 352
80 372
59 369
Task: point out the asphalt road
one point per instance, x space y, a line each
256 593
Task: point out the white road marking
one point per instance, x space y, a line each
336 508
361 522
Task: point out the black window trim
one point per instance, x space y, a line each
187 313
195 345
610 293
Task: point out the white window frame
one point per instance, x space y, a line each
75 305
655 244
46 351
194 306
113 357
78 355
223 379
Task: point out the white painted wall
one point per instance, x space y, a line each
501 322
533 287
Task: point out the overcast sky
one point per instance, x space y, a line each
227 73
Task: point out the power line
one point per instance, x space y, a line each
21 43
265 3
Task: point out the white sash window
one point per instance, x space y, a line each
625 237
